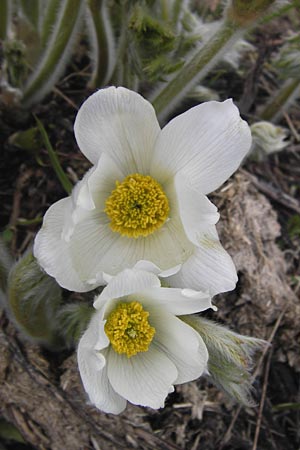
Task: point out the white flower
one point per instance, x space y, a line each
145 197
135 348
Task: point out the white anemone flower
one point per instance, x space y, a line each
145 197
135 347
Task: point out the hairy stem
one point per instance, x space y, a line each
49 21
56 55
102 40
195 69
4 18
278 104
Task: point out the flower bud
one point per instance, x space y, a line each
203 94
72 321
267 139
33 299
230 357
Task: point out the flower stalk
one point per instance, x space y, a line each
102 41
56 55
238 17
4 18
195 69
49 21
31 11
278 104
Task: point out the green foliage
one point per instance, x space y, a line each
152 34
31 10
286 406
29 140
153 40
16 66
33 299
64 180
158 42
9 432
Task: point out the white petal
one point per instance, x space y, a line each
95 248
181 343
144 379
209 268
125 283
150 267
120 123
95 338
97 385
176 301
207 142
195 208
53 252
168 247
93 369
90 194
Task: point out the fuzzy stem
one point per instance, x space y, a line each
278 104
177 9
118 74
196 68
31 11
103 49
4 18
49 21
47 72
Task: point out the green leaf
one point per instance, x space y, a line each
9 432
285 406
29 140
64 180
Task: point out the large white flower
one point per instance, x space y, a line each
145 197
135 348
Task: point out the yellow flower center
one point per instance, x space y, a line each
137 207
128 329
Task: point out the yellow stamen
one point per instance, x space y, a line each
137 207
128 329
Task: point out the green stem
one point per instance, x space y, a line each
31 11
121 60
196 68
65 182
55 57
278 104
102 50
177 9
4 18
49 21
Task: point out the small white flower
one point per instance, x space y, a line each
135 348
145 197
